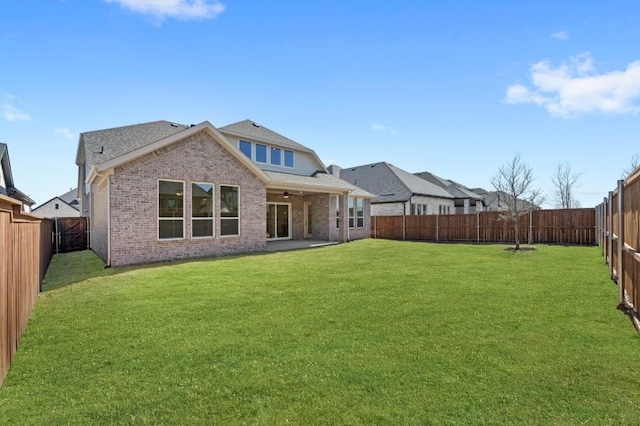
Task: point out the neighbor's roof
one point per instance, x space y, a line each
102 145
319 181
70 197
11 190
458 191
252 130
390 183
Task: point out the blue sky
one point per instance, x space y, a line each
456 88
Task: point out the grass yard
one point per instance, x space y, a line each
370 332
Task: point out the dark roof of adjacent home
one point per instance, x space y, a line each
70 197
390 184
10 189
99 146
252 130
455 189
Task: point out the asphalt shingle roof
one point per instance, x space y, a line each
319 179
253 130
455 189
390 183
104 145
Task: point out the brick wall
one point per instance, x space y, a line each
134 203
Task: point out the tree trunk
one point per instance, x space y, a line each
517 236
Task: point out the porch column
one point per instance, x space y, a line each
344 217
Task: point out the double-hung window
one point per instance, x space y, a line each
351 212
338 212
201 210
229 210
170 209
359 212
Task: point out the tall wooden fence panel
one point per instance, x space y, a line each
25 251
619 236
571 226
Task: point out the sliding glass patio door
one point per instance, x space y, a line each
278 221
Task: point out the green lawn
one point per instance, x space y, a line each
370 332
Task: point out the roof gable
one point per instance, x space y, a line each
108 166
98 146
255 131
455 189
390 183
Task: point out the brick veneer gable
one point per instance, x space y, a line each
198 158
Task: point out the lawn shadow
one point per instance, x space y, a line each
70 268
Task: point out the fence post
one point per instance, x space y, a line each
478 226
530 226
620 265
610 233
437 227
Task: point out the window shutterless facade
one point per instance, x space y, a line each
264 154
170 209
202 210
351 212
229 210
359 212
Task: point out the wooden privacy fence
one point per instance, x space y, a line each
25 252
568 226
618 228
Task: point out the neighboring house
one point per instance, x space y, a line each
397 192
7 186
495 201
162 191
465 200
65 205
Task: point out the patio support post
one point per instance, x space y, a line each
344 217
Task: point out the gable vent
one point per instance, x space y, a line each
255 125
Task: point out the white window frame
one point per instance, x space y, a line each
170 218
251 152
202 219
357 202
221 218
267 153
351 212
284 158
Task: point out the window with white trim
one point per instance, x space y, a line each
201 210
359 212
170 209
338 212
351 212
276 156
288 158
245 147
261 153
229 210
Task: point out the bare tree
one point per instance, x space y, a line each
514 185
635 162
564 182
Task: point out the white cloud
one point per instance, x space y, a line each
65 132
382 128
180 9
10 111
575 88
560 35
